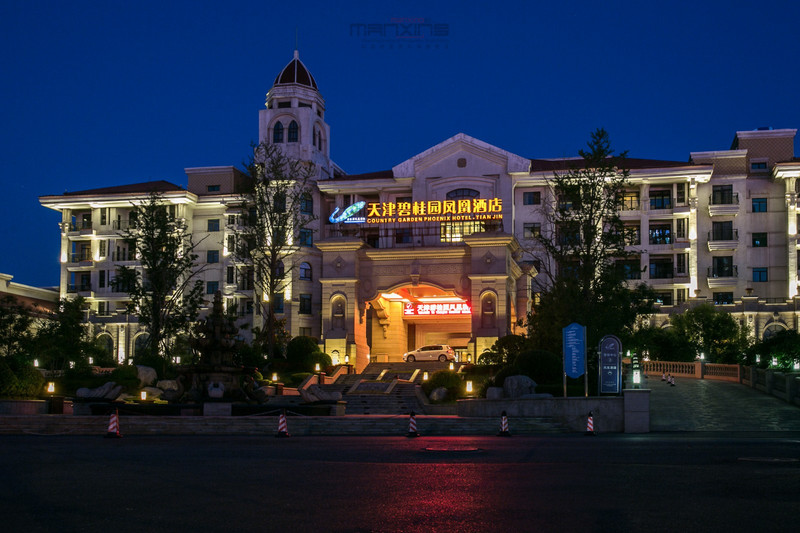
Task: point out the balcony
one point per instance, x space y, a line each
662 273
81 257
81 289
124 255
722 277
723 204
123 225
660 204
723 240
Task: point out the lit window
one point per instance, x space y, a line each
531 230
759 240
721 298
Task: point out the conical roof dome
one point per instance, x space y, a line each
296 73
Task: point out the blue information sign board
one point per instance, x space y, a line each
574 337
610 352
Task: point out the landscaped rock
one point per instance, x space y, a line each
438 394
108 391
323 395
517 386
308 396
167 384
494 393
153 392
147 375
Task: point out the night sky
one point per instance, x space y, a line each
105 93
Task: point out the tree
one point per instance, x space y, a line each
783 346
276 215
63 338
15 331
581 252
164 290
712 332
660 344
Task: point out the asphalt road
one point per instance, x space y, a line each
668 482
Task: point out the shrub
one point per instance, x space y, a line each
539 365
30 382
8 381
127 376
447 379
302 354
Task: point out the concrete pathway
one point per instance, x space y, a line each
707 405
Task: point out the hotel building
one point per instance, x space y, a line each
437 249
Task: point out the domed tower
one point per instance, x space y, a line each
294 117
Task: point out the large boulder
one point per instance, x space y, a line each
153 392
494 393
108 391
518 386
438 394
147 375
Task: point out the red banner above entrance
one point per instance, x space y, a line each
420 309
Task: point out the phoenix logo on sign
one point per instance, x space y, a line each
347 215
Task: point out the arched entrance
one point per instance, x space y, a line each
409 316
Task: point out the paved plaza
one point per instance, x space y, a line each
708 405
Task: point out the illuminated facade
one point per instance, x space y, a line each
437 249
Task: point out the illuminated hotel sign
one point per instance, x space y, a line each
435 210
466 209
420 309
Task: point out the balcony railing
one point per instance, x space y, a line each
724 235
80 256
83 287
124 255
723 272
124 224
661 271
661 202
727 198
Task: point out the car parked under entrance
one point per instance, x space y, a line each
431 352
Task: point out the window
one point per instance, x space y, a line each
403 236
305 332
664 297
758 165
531 230
660 199
277 131
293 132
280 270
213 224
462 193
212 256
630 269
230 277
248 307
456 231
630 201
305 304
231 220
212 287
660 234
103 249
307 204
284 105
279 203
722 231
103 216
680 263
531 198
277 303
231 244
680 227
102 309
760 274
569 234
759 205
305 271
722 194
721 298
101 280
633 235
722 267
661 269
681 295
213 188
680 193
759 240
306 237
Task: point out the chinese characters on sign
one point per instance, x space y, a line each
574 337
610 351
435 210
420 309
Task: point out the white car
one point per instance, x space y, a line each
432 352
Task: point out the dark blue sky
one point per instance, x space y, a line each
107 93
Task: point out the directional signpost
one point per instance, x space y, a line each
610 353
574 340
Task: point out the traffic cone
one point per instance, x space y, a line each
113 426
283 430
412 426
590 424
504 426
